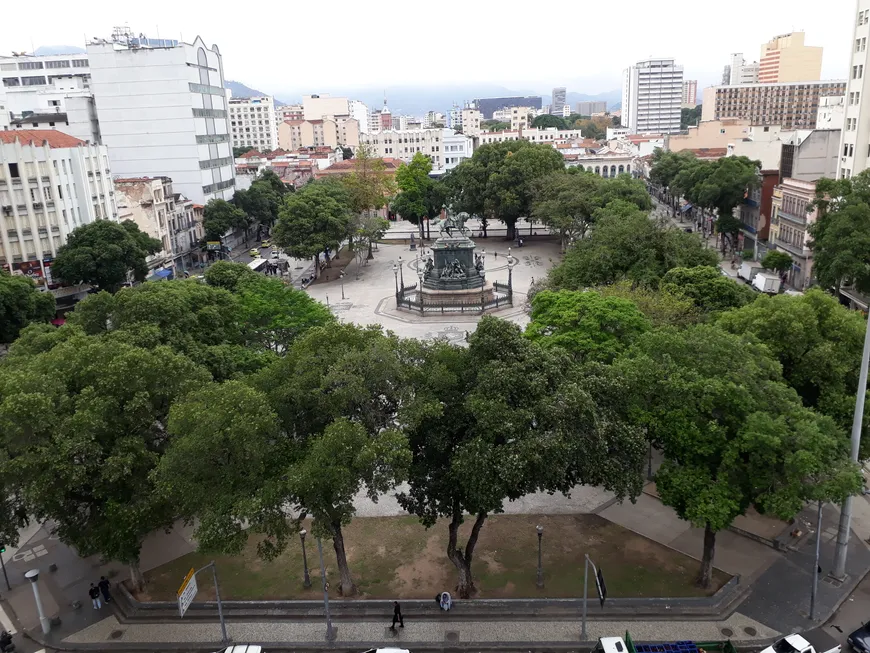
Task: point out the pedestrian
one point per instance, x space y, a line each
495 254
104 589
397 616
446 602
94 593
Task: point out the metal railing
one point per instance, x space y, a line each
408 298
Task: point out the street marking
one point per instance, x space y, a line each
6 622
26 555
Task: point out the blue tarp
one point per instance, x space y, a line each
686 208
162 273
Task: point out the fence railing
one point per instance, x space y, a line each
408 298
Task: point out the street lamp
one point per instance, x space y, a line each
330 632
420 287
306 579
341 278
396 277
483 285
33 577
540 580
401 278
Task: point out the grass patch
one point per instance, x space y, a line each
395 557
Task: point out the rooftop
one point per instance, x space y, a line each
37 137
40 117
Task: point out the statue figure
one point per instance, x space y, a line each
453 271
429 265
452 222
478 262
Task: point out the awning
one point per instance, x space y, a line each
162 273
686 208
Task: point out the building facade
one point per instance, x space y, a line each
855 138
50 183
785 59
558 103
690 94
652 91
404 144
754 214
469 120
812 157
591 108
288 112
163 111
252 121
739 71
521 117
339 132
792 105
788 228
163 214
487 106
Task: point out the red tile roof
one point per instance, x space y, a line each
37 137
250 154
709 152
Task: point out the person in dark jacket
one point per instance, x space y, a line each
397 616
104 588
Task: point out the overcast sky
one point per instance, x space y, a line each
306 46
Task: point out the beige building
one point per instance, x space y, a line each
314 107
288 112
521 117
785 59
152 204
788 227
690 94
329 132
709 134
470 121
792 105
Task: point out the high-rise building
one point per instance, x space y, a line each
559 94
690 93
162 109
855 138
50 183
252 120
651 95
785 59
792 106
469 120
591 108
288 112
739 71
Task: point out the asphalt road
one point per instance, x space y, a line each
854 611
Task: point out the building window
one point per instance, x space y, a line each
30 65
57 64
80 63
33 81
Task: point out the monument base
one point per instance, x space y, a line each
469 296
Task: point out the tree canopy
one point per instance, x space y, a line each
104 253
709 290
219 216
369 187
545 121
732 433
20 304
777 261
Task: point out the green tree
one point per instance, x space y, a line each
413 182
219 216
20 304
594 127
269 179
227 275
104 253
566 204
590 327
369 187
777 261
477 444
626 244
661 308
545 120
310 221
841 232
83 425
239 151
499 180
260 202
494 125
707 288
690 117
817 341
346 153
732 433
369 229
272 314
666 166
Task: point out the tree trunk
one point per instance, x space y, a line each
462 559
370 255
316 266
705 575
346 586
137 578
483 225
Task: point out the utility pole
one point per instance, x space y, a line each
857 421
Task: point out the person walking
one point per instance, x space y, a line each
104 589
397 616
94 593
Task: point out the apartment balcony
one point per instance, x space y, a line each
794 218
791 249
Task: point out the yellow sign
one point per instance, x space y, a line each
187 592
185 582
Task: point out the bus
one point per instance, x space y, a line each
258 264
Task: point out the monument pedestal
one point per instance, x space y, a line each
469 296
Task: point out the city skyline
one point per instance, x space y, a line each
255 51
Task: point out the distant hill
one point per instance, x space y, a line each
241 90
46 50
613 99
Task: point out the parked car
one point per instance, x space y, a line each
243 648
811 641
266 243
254 252
860 639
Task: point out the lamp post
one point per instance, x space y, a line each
306 578
540 580
396 277
341 278
401 277
420 287
33 577
330 633
816 565
483 285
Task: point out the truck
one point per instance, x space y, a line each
812 641
748 270
766 282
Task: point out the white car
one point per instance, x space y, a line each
244 648
387 650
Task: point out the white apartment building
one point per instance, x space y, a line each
559 94
162 110
50 183
740 71
338 132
832 112
359 112
404 144
549 135
855 139
153 205
652 92
521 117
4 110
252 121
